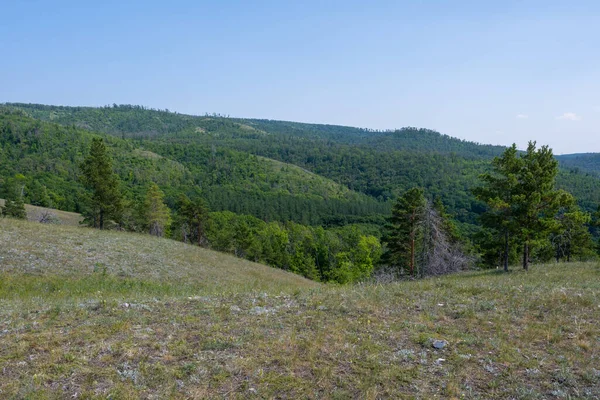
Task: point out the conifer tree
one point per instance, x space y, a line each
500 188
156 212
105 200
192 217
14 205
402 230
537 201
521 198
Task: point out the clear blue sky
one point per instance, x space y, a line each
492 72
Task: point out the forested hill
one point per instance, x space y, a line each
224 156
47 157
584 162
131 120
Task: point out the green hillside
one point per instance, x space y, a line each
48 155
585 162
97 314
379 164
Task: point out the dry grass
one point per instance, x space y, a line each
40 249
217 327
64 217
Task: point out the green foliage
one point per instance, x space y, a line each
191 220
537 200
105 199
342 255
157 216
499 191
219 154
275 171
402 231
523 202
12 190
571 238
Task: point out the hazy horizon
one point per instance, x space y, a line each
488 73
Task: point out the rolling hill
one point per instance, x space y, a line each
72 253
585 162
229 159
48 155
95 314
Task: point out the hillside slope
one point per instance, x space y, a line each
586 162
72 252
34 213
49 155
379 164
110 315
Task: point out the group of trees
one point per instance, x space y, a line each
167 170
346 255
526 211
421 239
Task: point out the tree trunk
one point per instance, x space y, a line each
506 250
101 223
412 254
526 256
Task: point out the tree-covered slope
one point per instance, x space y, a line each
379 164
48 156
581 162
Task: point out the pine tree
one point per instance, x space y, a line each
14 205
105 200
402 230
537 201
500 188
192 217
157 214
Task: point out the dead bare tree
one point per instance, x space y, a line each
438 255
47 217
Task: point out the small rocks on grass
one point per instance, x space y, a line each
439 344
261 310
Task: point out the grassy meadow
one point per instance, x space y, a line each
63 217
108 315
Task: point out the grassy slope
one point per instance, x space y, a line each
74 253
64 217
172 321
297 180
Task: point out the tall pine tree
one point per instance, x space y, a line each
402 230
500 188
105 201
538 201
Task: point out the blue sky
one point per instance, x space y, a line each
491 72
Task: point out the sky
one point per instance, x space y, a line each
490 72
